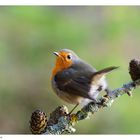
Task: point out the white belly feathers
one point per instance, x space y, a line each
95 89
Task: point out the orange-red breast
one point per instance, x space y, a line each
75 81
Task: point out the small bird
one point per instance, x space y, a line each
75 81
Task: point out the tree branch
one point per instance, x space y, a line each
61 122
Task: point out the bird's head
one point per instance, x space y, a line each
64 59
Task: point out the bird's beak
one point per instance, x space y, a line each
56 53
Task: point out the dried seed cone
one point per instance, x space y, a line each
134 69
38 122
56 114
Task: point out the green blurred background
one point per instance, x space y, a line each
103 36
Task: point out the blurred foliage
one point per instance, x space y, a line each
103 36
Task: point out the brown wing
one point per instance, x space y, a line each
71 82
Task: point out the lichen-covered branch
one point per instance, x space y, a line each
60 121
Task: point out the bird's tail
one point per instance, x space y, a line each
102 72
106 70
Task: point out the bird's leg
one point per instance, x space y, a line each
108 91
73 109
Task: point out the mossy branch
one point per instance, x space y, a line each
61 122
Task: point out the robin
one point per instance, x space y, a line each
75 81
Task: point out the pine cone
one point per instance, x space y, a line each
38 122
56 114
134 69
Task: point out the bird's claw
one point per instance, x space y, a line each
105 100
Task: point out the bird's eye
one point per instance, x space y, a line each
68 56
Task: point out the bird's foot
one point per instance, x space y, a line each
106 101
73 118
